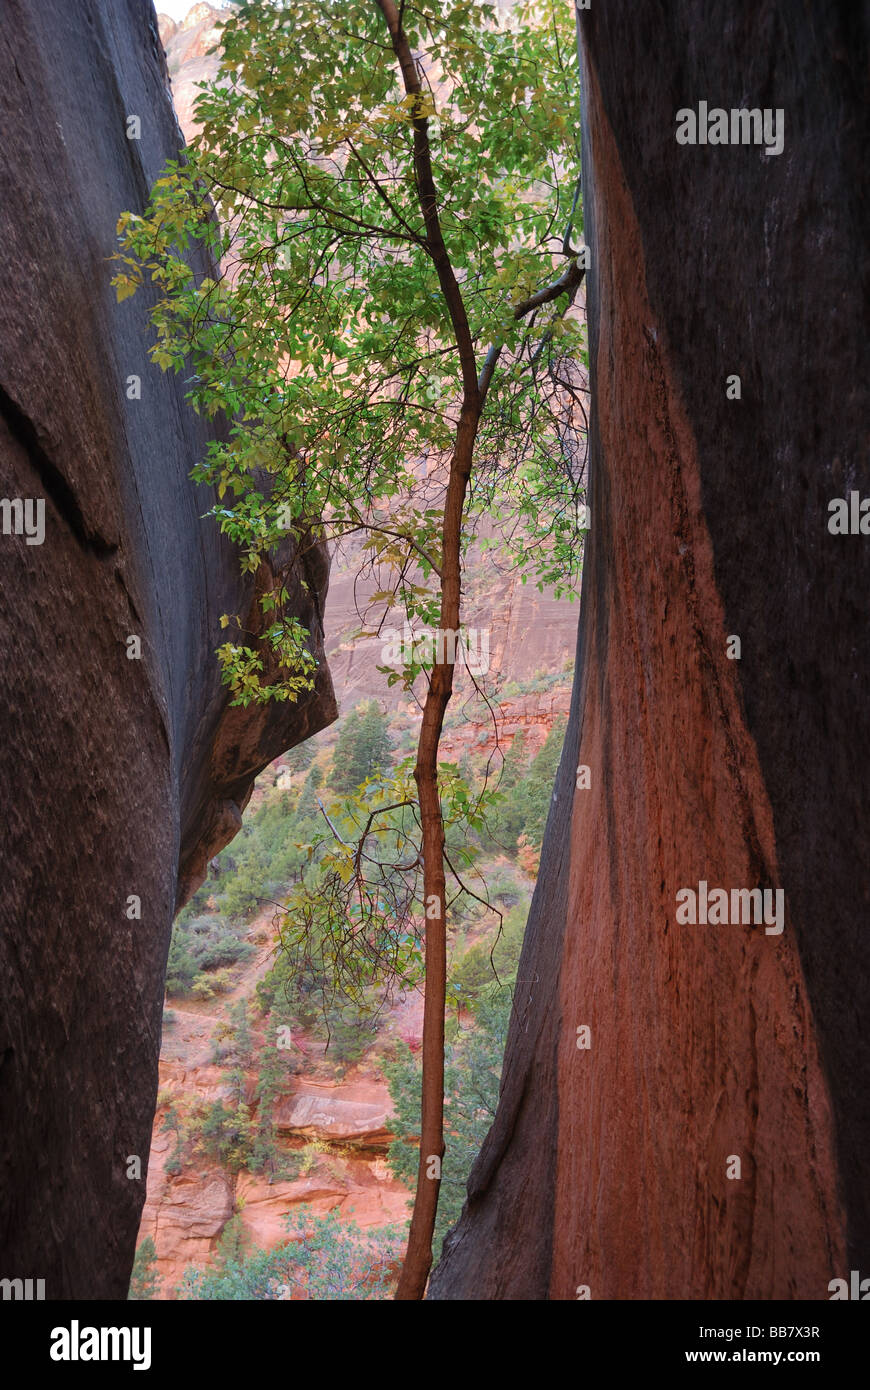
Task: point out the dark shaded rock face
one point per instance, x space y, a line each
121 777
608 1166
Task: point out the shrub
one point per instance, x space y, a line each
325 1258
222 1132
201 944
232 1040
349 1038
472 973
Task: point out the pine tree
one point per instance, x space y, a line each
344 757
375 744
241 1035
144 1279
362 750
271 1084
307 808
300 758
535 791
515 762
504 823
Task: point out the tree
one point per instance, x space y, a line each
534 793
144 1280
307 808
300 758
345 753
397 194
362 748
505 824
375 744
241 1036
276 1064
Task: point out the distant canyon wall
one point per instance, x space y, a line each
609 1171
121 776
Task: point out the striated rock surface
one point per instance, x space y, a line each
608 1166
122 775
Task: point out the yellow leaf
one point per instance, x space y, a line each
124 287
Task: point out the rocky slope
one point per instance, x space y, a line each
339 1122
609 1171
125 769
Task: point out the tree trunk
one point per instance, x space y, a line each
418 1259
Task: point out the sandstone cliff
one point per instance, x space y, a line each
607 1166
121 775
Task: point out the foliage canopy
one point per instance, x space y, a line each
326 338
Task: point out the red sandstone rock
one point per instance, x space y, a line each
607 1167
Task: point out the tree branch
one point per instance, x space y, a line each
379 810
428 199
382 194
399 535
568 283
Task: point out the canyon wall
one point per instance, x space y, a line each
122 772
610 1170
